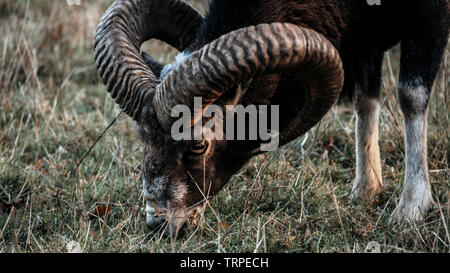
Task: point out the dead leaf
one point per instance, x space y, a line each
133 211
330 145
100 211
291 239
8 206
223 226
364 231
38 165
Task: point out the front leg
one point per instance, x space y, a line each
422 51
368 180
416 198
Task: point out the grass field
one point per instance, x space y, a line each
53 108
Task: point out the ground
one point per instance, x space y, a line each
297 199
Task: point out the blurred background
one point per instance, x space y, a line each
53 108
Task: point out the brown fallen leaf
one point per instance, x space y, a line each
7 206
328 149
38 165
364 231
330 145
100 211
223 226
133 210
291 239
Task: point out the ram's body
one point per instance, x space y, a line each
232 44
361 32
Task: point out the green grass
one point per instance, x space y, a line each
53 107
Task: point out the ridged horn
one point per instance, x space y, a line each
246 53
122 30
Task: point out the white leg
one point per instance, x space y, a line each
416 198
368 180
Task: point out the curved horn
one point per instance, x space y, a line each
252 51
122 30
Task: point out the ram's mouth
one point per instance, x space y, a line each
173 222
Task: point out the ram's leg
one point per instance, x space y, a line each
416 198
368 180
422 50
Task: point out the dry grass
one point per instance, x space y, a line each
53 108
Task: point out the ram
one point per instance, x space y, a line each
296 54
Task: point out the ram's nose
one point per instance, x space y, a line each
154 221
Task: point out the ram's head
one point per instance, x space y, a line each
180 175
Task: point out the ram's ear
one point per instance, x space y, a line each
154 65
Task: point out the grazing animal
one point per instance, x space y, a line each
297 54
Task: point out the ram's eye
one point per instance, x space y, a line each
199 147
